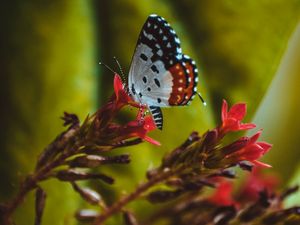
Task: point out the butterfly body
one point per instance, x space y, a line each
160 74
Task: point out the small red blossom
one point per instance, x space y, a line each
119 99
251 151
231 120
223 194
140 127
107 133
243 149
256 182
121 95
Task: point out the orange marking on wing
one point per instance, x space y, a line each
190 89
182 89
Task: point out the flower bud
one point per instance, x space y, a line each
235 146
92 161
289 191
151 173
245 165
87 194
194 136
73 175
129 218
175 182
224 173
224 214
70 119
89 161
228 174
257 209
163 196
210 139
86 215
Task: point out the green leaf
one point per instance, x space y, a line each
48 68
294 199
239 44
279 112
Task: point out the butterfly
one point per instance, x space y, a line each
160 74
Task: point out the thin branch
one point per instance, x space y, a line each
31 181
117 207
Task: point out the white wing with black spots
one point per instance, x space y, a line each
160 74
149 82
158 48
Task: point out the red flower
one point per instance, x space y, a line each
251 151
231 120
140 127
121 95
256 182
107 133
223 194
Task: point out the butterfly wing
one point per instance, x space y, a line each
160 75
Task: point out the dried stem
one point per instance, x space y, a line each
42 173
117 207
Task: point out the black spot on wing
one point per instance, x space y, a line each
154 69
145 79
160 37
156 81
144 57
133 89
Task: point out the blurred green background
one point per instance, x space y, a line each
246 51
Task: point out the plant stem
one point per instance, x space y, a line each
116 207
31 182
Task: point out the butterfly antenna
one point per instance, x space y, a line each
107 67
201 98
121 70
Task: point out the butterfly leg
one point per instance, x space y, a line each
141 113
157 116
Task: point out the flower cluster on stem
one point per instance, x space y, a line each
202 161
199 161
82 146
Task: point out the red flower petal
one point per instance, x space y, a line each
139 128
118 84
231 124
149 123
122 97
223 194
251 152
151 140
266 146
254 138
224 110
247 126
238 111
255 182
261 164
231 121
